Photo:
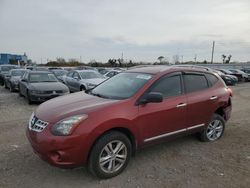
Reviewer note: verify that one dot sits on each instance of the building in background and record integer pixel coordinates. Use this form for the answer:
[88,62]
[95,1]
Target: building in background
[13,59]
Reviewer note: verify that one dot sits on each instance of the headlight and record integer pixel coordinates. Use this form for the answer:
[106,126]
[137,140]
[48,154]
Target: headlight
[66,91]
[66,126]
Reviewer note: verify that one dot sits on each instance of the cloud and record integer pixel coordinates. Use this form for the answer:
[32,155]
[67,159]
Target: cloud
[141,29]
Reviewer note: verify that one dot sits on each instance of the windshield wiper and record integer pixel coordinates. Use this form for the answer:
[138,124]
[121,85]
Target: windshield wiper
[48,81]
[98,95]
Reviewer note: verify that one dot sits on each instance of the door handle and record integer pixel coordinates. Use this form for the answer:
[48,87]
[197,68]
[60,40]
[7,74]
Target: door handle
[213,97]
[181,105]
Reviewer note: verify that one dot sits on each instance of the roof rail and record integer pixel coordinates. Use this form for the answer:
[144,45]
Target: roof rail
[140,66]
[194,67]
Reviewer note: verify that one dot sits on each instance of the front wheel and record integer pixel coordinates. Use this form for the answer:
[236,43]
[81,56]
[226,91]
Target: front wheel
[110,155]
[214,130]
[5,85]
[11,88]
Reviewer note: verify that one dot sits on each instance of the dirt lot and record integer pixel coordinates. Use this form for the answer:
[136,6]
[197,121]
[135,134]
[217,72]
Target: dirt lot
[184,162]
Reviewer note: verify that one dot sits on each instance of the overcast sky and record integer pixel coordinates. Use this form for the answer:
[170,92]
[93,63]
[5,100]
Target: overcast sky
[142,29]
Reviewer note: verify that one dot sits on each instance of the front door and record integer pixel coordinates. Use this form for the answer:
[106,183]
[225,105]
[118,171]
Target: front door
[157,121]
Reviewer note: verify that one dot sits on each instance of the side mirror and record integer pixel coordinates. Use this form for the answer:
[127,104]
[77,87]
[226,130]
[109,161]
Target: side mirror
[7,76]
[76,78]
[24,80]
[153,97]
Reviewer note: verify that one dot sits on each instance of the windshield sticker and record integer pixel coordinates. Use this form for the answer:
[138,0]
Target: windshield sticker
[143,76]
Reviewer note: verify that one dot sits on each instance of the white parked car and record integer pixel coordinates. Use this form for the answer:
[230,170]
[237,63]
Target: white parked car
[80,80]
[112,73]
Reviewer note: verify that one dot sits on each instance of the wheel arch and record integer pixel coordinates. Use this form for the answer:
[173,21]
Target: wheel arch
[123,130]
[221,110]
[82,85]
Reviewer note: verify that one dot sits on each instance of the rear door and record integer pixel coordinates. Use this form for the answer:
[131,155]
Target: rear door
[68,80]
[76,81]
[201,101]
[157,121]
[23,84]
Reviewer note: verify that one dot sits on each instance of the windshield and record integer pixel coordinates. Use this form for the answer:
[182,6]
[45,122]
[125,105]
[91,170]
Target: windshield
[17,72]
[60,72]
[90,75]
[227,71]
[7,68]
[122,86]
[42,77]
[239,71]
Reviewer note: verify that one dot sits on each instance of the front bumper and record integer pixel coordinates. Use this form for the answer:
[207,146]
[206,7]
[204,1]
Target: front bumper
[60,151]
[43,97]
[14,85]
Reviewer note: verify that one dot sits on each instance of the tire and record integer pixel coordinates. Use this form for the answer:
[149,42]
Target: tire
[214,130]
[82,88]
[110,145]
[11,88]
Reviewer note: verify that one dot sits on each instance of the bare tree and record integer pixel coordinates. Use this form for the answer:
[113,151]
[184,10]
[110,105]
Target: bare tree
[228,59]
[223,58]
[160,58]
[176,59]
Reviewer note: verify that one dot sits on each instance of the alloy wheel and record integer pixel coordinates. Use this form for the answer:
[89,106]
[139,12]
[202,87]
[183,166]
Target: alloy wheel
[214,130]
[113,156]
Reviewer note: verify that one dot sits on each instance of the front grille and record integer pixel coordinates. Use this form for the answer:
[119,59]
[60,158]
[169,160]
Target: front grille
[53,92]
[36,124]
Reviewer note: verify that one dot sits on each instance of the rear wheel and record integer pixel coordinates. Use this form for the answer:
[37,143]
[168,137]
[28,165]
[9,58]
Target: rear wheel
[214,130]
[82,88]
[110,155]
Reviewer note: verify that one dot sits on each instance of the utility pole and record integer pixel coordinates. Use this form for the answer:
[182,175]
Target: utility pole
[195,58]
[212,58]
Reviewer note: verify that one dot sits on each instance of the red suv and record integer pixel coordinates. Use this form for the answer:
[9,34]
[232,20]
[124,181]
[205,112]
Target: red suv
[104,127]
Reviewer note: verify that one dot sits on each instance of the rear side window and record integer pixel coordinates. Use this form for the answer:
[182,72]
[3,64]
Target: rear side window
[70,74]
[110,74]
[212,79]
[76,75]
[168,86]
[195,82]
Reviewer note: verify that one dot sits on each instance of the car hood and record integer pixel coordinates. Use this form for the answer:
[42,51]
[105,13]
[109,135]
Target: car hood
[73,104]
[94,81]
[231,76]
[48,86]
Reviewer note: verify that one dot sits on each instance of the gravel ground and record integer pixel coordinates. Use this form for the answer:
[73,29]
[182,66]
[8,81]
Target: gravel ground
[184,162]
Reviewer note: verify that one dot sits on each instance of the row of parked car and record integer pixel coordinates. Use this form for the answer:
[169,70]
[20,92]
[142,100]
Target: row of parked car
[39,85]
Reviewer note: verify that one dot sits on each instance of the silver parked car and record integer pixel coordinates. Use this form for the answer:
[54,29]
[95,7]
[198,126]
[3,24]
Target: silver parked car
[13,78]
[80,80]
[112,73]
[39,86]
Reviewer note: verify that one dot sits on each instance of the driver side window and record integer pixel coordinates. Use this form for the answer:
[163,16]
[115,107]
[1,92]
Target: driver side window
[76,75]
[168,86]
